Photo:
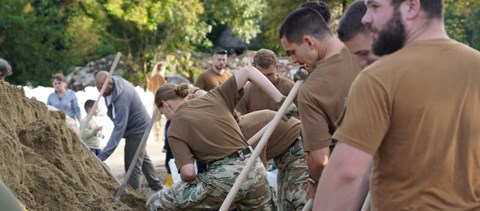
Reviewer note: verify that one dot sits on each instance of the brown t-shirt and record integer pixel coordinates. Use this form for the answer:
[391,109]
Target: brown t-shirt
[210,79]
[255,99]
[282,137]
[417,112]
[321,98]
[204,129]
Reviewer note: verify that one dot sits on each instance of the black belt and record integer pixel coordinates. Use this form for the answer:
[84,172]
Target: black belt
[245,151]
[241,152]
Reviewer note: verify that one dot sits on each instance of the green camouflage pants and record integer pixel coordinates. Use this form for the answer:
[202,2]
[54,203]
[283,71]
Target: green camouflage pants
[209,189]
[7,199]
[292,178]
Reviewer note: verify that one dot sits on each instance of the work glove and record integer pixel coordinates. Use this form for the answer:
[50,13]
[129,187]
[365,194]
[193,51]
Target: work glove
[291,110]
[301,74]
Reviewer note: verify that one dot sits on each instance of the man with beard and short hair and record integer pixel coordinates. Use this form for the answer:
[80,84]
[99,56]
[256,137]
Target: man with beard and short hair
[332,68]
[355,35]
[216,74]
[413,114]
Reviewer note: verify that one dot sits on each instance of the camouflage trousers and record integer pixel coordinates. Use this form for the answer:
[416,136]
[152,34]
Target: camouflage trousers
[209,189]
[292,178]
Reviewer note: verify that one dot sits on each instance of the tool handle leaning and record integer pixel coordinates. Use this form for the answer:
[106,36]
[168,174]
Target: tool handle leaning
[263,141]
[366,203]
[140,149]
[308,206]
[104,166]
[104,87]
[89,115]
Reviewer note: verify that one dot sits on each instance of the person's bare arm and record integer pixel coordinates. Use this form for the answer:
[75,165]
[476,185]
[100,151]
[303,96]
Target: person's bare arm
[250,73]
[341,178]
[362,192]
[187,172]
[316,161]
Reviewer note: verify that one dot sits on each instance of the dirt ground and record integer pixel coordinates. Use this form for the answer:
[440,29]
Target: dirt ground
[47,168]
[154,151]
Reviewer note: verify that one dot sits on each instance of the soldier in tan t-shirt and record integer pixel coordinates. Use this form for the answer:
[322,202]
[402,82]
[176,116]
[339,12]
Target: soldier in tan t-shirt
[205,129]
[355,35]
[321,98]
[413,114]
[254,99]
[216,74]
[285,147]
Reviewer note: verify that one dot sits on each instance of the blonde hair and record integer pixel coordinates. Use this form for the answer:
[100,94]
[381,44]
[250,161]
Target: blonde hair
[170,91]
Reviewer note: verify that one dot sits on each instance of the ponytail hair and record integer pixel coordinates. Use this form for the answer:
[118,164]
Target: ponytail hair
[170,91]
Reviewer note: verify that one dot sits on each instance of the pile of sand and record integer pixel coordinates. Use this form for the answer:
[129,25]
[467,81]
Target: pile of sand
[46,166]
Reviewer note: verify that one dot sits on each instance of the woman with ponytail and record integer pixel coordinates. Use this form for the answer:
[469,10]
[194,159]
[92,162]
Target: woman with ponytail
[204,129]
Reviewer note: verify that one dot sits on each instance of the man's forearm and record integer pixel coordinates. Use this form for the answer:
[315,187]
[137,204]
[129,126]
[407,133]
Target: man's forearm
[341,178]
[317,160]
[250,73]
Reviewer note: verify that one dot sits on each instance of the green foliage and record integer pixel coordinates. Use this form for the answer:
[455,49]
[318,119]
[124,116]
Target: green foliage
[242,16]
[32,39]
[461,21]
[146,29]
[278,10]
[185,64]
[42,37]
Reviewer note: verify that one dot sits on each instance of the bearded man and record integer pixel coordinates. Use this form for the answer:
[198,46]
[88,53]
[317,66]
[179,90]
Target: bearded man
[413,114]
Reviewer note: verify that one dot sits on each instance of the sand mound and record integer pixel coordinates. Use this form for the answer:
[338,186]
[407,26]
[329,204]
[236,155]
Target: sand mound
[44,163]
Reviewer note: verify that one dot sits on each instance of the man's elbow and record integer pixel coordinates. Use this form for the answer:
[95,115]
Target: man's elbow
[187,176]
[347,174]
[187,172]
[318,158]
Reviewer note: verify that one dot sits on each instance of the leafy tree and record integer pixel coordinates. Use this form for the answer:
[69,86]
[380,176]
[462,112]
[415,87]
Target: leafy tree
[144,30]
[461,21]
[241,15]
[33,40]
[41,37]
[278,10]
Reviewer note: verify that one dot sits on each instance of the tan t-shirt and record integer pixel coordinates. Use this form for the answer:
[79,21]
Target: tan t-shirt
[155,82]
[255,99]
[210,79]
[204,129]
[321,98]
[417,112]
[282,137]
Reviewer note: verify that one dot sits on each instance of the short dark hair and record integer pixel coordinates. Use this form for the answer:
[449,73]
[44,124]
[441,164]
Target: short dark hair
[88,104]
[303,21]
[321,7]
[351,22]
[220,51]
[434,8]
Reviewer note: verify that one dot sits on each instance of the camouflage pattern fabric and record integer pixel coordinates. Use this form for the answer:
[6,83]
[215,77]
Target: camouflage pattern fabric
[292,178]
[209,189]
[8,200]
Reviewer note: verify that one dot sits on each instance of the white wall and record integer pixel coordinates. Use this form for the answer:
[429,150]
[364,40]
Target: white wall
[41,94]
